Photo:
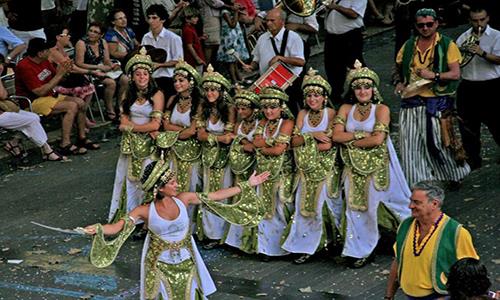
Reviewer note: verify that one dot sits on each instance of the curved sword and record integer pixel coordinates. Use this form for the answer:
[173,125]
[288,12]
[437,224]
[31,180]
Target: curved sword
[76,231]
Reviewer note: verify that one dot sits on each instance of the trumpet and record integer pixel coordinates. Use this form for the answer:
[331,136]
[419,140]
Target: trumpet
[465,47]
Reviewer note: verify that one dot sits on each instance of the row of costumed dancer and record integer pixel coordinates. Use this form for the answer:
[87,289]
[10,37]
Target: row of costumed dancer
[327,174]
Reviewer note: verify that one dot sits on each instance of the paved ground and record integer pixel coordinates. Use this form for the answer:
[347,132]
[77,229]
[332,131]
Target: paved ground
[55,266]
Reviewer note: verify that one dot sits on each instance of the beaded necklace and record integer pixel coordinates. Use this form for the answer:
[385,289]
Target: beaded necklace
[184,104]
[364,109]
[271,126]
[315,117]
[417,252]
[248,124]
[428,51]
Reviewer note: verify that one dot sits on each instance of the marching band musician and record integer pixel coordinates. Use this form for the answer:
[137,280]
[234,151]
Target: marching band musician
[480,77]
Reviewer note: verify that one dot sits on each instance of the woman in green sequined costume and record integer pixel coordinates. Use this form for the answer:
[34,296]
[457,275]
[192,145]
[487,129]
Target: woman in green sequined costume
[171,266]
[272,140]
[242,160]
[179,141]
[317,197]
[140,120]
[215,126]
[374,185]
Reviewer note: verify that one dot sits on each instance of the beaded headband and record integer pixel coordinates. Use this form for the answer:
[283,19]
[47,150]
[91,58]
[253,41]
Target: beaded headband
[313,82]
[212,79]
[160,173]
[363,73]
[140,60]
[184,69]
[272,93]
[246,98]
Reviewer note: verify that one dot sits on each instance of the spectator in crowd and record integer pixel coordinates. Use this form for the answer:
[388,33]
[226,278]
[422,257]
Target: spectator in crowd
[121,39]
[10,45]
[25,19]
[424,156]
[193,50]
[287,48]
[343,42]
[51,12]
[468,280]
[92,53]
[480,78]
[36,79]
[427,245]
[232,39]
[160,37]
[14,118]
[211,16]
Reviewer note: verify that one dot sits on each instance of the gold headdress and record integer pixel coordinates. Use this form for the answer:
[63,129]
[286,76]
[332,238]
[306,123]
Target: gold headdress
[212,79]
[246,98]
[272,96]
[186,70]
[314,82]
[160,174]
[140,60]
[363,73]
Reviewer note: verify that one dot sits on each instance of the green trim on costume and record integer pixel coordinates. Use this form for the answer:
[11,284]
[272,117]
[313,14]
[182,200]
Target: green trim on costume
[139,146]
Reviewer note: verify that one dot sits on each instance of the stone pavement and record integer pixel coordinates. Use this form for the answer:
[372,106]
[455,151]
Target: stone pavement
[55,266]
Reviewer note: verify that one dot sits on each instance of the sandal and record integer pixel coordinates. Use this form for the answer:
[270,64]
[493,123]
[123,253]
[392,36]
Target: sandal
[72,150]
[302,259]
[210,245]
[15,149]
[88,144]
[58,157]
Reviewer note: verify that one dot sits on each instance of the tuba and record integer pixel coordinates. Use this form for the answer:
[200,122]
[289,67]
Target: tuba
[472,40]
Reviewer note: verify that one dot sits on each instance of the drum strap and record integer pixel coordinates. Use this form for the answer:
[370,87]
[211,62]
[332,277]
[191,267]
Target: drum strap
[283,44]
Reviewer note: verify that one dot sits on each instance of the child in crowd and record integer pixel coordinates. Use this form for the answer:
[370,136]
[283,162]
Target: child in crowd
[193,51]
[232,38]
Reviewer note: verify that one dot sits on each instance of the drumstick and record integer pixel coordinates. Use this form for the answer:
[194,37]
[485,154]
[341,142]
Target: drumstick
[233,53]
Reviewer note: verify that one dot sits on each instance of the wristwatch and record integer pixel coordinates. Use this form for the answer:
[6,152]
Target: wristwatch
[437,75]
[483,55]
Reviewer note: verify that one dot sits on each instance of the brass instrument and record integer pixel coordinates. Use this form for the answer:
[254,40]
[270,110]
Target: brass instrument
[472,40]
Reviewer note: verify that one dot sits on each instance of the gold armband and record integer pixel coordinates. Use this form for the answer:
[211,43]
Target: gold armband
[166,115]
[283,139]
[270,142]
[379,126]
[201,124]
[229,127]
[358,135]
[329,132]
[156,114]
[259,130]
[339,120]
[212,139]
[296,130]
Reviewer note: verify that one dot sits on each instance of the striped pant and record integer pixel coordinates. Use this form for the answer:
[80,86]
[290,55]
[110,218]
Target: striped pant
[417,163]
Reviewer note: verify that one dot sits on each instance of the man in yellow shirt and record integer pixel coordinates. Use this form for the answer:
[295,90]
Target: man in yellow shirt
[429,70]
[427,245]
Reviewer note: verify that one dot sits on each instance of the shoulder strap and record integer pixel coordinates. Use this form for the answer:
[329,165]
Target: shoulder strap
[283,44]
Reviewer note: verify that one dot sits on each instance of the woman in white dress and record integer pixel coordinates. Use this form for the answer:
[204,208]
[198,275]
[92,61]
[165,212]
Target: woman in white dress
[140,120]
[317,198]
[242,160]
[374,185]
[272,140]
[216,119]
[171,266]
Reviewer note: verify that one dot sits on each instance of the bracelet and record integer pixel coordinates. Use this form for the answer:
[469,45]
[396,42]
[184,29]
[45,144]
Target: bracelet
[358,135]
[437,76]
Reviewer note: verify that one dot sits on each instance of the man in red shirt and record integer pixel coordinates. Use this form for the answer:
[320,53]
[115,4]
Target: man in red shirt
[36,79]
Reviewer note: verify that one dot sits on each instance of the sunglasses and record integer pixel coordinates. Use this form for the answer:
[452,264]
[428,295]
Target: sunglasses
[422,25]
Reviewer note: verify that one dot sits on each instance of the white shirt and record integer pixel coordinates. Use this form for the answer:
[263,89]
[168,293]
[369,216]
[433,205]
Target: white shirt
[479,69]
[337,23]
[264,52]
[171,43]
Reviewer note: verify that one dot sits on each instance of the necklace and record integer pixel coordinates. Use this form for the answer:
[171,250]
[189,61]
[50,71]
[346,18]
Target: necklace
[421,246]
[429,51]
[364,109]
[315,117]
[184,104]
[271,126]
[248,125]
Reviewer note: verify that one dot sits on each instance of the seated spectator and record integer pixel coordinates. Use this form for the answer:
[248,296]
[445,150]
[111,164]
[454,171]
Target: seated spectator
[91,52]
[10,45]
[468,279]
[121,39]
[13,118]
[36,79]
[191,42]
[76,83]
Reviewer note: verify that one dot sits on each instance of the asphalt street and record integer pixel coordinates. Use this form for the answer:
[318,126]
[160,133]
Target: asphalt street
[40,264]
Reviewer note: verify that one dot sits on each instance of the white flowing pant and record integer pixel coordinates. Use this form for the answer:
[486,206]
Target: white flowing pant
[26,122]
